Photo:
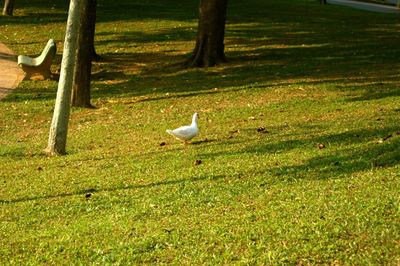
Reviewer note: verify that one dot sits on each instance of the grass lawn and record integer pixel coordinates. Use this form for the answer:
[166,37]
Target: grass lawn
[299,144]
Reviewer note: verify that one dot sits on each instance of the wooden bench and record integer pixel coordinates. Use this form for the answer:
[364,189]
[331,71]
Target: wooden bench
[41,64]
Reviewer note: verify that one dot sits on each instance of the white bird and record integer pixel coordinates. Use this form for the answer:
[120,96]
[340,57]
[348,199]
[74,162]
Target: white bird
[186,133]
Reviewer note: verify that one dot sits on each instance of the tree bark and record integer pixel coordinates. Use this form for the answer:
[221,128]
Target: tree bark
[95,56]
[209,49]
[93,9]
[8,7]
[59,124]
[84,55]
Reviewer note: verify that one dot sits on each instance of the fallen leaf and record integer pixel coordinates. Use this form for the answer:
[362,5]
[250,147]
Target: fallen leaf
[262,130]
[387,137]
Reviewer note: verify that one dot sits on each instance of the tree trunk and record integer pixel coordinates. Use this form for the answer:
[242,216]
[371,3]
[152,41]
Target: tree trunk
[8,7]
[95,56]
[59,124]
[83,66]
[209,49]
[93,9]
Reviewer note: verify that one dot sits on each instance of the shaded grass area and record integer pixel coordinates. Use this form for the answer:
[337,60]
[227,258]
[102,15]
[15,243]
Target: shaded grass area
[299,143]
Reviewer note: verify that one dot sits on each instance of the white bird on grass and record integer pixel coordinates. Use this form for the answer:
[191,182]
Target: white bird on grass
[186,133]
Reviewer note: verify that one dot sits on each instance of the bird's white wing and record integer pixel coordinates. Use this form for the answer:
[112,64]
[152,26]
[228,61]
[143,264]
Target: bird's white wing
[184,133]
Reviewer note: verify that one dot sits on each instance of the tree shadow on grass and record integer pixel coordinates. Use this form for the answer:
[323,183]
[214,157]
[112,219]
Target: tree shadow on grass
[36,18]
[269,48]
[269,66]
[44,12]
[343,153]
[344,162]
[88,192]
[132,38]
[372,89]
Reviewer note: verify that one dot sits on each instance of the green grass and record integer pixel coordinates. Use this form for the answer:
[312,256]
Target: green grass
[309,74]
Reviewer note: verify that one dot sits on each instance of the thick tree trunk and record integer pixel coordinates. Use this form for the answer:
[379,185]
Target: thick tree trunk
[59,124]
[93,10]
[95,56]
[209,49]
[83,65]
[8,7]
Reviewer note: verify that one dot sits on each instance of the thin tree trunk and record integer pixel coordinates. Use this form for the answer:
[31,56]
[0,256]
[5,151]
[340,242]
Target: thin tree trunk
[59,125]
[209,49]
[83,66]
[8,7]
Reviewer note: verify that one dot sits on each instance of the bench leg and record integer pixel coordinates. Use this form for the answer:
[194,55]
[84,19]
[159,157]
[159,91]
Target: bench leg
[47,74]
[36,71]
